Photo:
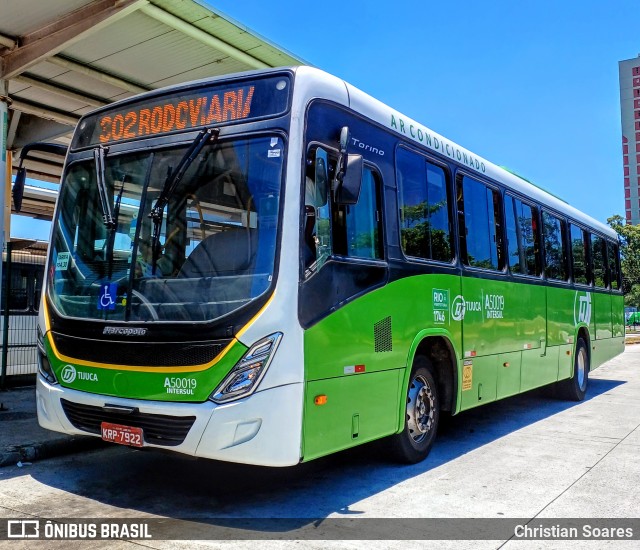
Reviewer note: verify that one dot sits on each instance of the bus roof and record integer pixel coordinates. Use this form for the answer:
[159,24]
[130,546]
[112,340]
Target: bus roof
[421,135]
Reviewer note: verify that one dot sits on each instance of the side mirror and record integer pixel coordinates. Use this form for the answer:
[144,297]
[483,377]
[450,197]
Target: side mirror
[18,188]
[341,168]
[348,172]
[348,191]
[21,175]
[321,178]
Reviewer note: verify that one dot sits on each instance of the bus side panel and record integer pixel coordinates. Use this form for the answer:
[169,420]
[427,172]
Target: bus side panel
[501,319]
[357,357]
[602,311]
[502,316]
[358,409]
[617,315]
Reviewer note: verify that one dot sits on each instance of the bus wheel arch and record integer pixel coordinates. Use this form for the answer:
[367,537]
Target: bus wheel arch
[583,333]
[439,351]
[429,389]
[575,388]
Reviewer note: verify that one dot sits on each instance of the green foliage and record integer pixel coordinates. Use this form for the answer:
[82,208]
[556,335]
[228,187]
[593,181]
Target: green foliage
[630,253]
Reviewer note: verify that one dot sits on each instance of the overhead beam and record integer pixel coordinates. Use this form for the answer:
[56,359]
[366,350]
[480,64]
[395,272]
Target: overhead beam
[61,91]
[118,82]
[43,112]
[7,41]
[194,32]
[69,29]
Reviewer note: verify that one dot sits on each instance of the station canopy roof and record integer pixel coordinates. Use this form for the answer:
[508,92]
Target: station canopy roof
[65,58]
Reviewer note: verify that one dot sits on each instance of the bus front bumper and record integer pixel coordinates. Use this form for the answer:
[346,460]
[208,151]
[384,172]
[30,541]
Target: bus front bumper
[263,429]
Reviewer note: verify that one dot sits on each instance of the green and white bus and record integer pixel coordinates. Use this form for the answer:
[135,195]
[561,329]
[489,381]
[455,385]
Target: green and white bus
[273,266]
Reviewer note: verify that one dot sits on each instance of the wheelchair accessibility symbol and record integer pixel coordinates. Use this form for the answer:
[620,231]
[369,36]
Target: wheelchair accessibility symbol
[107,298]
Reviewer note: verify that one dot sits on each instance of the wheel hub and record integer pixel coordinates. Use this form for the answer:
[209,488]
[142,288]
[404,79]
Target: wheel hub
[420,408]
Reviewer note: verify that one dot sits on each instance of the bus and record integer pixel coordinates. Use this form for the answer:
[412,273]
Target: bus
[273,266]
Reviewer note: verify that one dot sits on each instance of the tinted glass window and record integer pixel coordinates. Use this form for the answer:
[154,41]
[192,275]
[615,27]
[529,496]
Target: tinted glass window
[554,253]
[579,255]
[614,269]
[330,228]
[599,253]
[362,221]
[522,237]
[480,224]
[424,211]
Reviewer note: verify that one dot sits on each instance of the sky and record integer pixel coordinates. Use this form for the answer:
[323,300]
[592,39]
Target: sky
[528,84]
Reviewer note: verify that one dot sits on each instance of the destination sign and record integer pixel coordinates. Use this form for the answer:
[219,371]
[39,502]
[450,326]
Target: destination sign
[185,110]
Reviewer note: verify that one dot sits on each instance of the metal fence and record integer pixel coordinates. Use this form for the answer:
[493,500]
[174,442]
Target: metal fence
[22,274]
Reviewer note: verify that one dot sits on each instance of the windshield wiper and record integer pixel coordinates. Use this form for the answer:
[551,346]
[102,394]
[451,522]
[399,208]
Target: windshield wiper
[99,154]
[171,184]
[114,229]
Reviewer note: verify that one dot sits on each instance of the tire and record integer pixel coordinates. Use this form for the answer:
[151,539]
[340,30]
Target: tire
[422,415]
[575,388]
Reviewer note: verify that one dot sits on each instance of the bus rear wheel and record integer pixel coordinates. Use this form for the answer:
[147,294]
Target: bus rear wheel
[422,414]
[575,388]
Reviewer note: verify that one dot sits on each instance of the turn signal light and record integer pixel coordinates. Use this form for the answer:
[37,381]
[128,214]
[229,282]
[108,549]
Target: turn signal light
[320,399]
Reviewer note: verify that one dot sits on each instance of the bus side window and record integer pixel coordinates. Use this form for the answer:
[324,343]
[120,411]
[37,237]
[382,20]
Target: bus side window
[479,215]
[553,229]
[353,231]
[599,254]
[614,267]
[357,229]
[578,255]
[425,227]
[523,247]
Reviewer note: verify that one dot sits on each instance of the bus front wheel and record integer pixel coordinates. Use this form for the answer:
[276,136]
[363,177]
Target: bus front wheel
[575,388]
[422,414]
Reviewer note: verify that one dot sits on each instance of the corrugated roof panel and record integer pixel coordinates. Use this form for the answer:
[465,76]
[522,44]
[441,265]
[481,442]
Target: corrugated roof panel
[16,87]
[88,85]
[45,70]
[223,27]
[22,17]
[160,58]
[207,71]
[135,47]
[44,97]
[134,29]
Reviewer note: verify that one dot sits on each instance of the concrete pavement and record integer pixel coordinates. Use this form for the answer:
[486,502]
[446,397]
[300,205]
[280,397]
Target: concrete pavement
[22,439]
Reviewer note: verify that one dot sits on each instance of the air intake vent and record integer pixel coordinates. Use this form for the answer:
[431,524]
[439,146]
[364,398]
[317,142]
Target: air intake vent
[145,354]
[382,335]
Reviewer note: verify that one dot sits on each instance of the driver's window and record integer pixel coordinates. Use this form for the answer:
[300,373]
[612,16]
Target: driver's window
[353,231]
[317,225]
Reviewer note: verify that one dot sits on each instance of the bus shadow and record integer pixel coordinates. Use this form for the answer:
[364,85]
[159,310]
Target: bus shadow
[216,495]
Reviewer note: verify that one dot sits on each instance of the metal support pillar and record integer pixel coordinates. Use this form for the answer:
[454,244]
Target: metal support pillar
[4,127]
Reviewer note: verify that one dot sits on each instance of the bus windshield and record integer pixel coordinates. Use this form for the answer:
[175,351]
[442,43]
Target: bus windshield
[210,252]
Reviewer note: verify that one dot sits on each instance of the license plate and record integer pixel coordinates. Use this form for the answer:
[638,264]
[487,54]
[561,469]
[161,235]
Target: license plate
[123,435]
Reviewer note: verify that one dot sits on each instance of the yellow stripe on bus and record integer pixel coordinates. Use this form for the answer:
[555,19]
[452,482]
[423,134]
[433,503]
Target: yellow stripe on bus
[137,368]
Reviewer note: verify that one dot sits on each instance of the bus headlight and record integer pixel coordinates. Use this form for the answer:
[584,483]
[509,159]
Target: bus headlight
[245,376]
[44,367]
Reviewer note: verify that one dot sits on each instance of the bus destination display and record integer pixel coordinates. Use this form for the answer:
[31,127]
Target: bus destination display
[210,106]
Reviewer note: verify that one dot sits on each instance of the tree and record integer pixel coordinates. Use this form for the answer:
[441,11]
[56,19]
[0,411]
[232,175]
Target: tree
[630,254]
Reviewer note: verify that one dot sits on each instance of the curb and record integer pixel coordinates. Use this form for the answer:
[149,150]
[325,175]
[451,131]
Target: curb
[32,452]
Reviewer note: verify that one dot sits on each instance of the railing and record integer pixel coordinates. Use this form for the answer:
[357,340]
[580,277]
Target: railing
[22,275]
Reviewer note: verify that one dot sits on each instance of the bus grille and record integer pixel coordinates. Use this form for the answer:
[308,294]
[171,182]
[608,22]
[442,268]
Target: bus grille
[158,429]
[142,354]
